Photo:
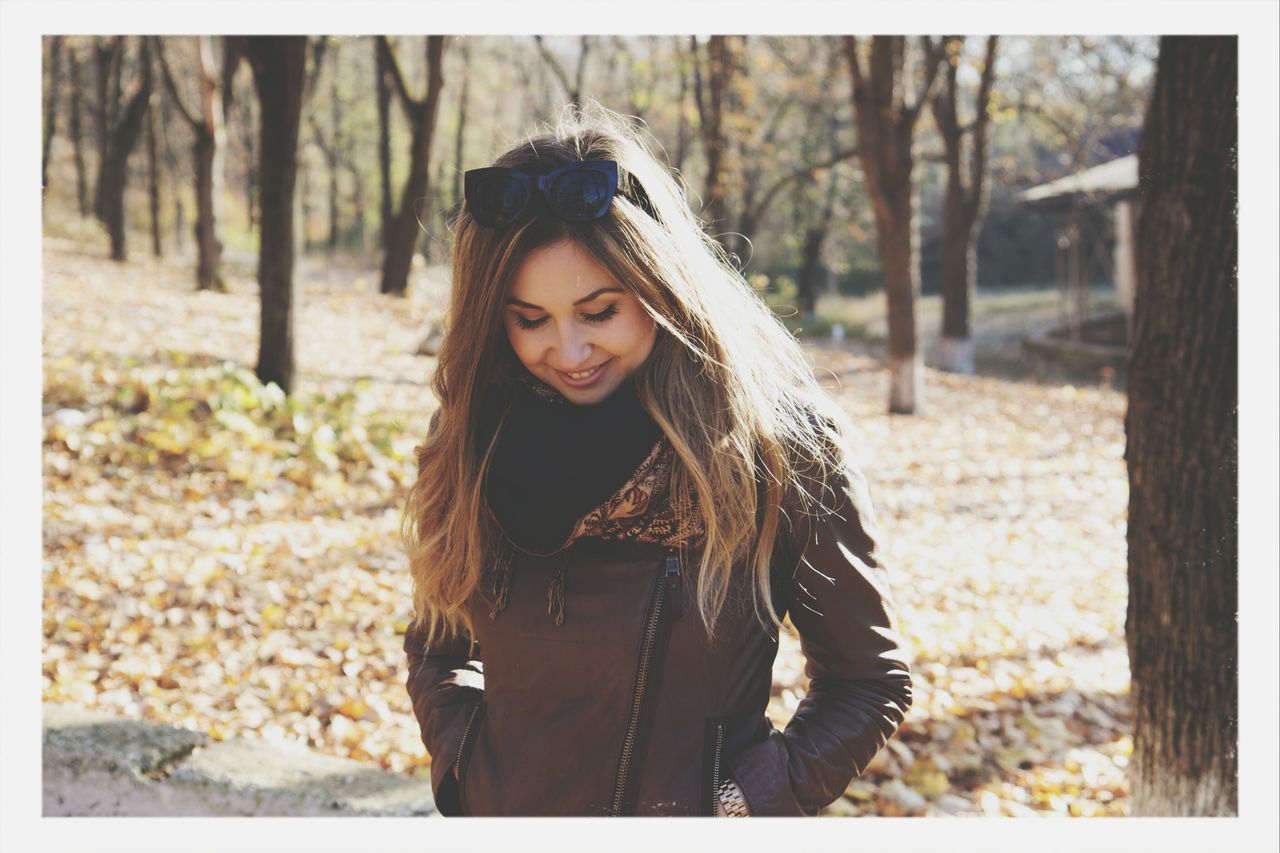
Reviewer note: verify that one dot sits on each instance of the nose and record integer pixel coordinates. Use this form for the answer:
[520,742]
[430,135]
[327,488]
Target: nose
[573,349]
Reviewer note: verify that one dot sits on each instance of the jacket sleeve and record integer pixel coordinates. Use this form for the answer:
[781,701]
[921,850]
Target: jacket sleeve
[445,683]
[856,662]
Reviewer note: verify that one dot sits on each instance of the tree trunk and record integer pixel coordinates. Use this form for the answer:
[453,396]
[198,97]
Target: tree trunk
[153,183]
[208,162]
[208,157]
[959,262]
[1182,440]
[304,204]
[711,114]
[77,135]
[358,226]
[179,225]
[279,73]
[51,105]
[107,55]
[115,167]
[964,206]
[885,124]
[252,162]
[171,166]
[811,254]
[335,141]
[211,173]
[682,123]
[405,230]
[384,140]
[806,279]
[897,238]
[233,53]
[955,352]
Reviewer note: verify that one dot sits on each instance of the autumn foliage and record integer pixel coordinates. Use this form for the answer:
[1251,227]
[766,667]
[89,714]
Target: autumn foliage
[224,558]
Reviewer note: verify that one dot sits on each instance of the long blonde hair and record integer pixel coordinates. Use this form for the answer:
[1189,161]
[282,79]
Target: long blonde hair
[729,386]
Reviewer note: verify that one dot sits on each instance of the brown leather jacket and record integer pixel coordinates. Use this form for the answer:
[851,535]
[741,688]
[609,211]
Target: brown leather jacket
[627,709]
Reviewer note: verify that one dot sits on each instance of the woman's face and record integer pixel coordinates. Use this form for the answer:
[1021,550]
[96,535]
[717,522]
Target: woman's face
[567,316]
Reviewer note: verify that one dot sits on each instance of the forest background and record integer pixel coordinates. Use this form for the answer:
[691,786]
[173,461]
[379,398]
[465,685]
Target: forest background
[1042,742]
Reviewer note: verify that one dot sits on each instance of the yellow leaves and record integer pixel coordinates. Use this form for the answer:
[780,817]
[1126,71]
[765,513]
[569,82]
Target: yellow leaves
[171,438]
[220,418]
[298,697]
[1002,511]
[328,483]
[105,426]
[925,777]
[239,472]
[842,808]
[205,569]
[353,709]
[860,791]
[238,423]
[272,616]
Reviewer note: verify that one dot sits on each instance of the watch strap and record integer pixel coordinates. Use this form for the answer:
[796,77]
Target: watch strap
[735,804]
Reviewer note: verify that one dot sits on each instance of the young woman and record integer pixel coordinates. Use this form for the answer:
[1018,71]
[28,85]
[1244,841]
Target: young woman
[632,476]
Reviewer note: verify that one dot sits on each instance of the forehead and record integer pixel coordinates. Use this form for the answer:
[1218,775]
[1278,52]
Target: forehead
[559,273]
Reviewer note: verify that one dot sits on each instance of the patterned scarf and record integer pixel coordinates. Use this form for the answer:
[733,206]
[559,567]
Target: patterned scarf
[561,472]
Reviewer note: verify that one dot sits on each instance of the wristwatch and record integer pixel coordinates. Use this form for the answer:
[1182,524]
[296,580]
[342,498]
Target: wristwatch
[735,805]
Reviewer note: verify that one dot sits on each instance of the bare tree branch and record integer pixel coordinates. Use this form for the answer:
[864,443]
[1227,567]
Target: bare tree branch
[172,86]
[318,47]
[407,101]
[582,69]
[933,52]
[978,165]
[855,69]
[558,70]
[803,172]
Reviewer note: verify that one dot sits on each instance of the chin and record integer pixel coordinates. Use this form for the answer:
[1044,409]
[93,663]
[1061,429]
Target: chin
[593,394]
[587,395]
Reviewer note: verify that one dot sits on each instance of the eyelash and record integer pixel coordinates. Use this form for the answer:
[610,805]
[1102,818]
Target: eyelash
[606,314]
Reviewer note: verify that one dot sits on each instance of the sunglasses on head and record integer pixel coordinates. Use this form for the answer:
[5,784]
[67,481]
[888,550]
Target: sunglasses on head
[576,192]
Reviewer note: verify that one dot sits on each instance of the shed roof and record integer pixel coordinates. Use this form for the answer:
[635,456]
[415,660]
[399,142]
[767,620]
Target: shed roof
[1115,177]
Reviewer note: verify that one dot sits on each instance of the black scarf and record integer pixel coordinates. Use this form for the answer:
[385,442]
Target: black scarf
[555,461]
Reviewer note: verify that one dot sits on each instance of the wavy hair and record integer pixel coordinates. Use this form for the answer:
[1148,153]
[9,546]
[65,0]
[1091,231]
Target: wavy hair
[730,387]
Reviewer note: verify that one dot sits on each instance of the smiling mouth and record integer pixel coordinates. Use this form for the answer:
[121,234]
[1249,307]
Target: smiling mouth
[584,374]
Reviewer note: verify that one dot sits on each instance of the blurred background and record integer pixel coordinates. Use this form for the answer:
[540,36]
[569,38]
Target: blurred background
[245,269]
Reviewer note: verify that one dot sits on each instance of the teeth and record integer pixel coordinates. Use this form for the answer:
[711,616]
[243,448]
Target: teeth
[584,374]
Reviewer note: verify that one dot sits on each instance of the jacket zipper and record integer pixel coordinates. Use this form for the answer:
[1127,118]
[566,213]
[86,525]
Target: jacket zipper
[715,769]
[462,745]
[670,574]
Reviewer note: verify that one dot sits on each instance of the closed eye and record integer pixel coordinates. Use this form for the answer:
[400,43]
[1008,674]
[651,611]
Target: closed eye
[605,315]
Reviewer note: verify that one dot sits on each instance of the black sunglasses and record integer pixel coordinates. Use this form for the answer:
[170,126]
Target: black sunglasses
[576,192]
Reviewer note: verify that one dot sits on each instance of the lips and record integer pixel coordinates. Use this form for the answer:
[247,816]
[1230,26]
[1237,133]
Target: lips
[583,377]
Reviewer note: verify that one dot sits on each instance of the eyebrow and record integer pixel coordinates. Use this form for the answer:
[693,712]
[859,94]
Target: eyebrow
[522,304]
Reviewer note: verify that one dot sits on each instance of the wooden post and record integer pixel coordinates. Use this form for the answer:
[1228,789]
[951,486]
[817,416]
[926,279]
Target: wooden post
[1073,272]
[1125,266]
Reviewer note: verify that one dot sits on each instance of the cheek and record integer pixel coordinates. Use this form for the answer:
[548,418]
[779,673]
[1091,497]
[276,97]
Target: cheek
[643,333]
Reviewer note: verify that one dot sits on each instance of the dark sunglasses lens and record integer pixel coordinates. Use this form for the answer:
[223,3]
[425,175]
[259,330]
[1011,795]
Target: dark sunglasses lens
[580,195]
[497,200]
